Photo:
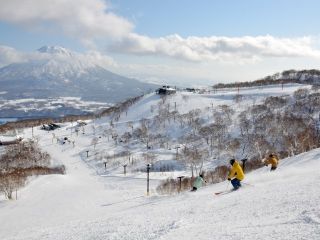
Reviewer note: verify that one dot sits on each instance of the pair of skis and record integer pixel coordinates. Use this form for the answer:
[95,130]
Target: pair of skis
[232,190]
[223,192]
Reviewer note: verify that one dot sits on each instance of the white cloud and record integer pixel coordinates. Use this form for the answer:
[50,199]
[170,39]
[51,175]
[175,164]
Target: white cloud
[10,55]
[180,73]
[217,48]
[99,59]
[92,20]
[84,19]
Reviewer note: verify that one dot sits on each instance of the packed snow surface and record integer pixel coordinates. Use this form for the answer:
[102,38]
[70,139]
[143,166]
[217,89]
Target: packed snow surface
[82,204]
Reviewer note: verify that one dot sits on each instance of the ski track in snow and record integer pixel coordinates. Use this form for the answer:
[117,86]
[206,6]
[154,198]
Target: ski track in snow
[82,205]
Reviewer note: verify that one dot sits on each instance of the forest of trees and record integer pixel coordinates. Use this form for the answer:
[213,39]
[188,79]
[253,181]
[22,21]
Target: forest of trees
[287,125]
[311,76]
[19,161]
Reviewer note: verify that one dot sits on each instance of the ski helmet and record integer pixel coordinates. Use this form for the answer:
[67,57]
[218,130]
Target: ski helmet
[232,161]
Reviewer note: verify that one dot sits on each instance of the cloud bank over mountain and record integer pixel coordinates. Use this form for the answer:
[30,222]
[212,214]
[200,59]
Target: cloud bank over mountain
[92,21]
[10,55]
[54,71]
[218,48]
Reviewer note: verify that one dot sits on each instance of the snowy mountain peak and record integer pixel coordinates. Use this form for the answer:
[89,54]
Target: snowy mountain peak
[58,72]
[55,50]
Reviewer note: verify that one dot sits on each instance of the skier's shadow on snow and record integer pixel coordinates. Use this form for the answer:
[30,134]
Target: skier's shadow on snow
[3,203]
[150,202]
[123,201]
[136,205]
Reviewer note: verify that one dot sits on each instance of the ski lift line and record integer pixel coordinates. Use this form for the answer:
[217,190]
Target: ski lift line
[275,85]
[96,170]
[87,163]
[135,120]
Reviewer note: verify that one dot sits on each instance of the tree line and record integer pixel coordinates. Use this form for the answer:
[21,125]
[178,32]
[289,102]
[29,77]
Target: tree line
[19,161]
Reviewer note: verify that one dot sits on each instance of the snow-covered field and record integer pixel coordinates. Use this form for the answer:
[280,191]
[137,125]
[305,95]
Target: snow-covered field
[85,205]
[31,107]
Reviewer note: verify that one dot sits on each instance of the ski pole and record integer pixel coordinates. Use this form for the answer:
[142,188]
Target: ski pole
[217,193]
[228,185]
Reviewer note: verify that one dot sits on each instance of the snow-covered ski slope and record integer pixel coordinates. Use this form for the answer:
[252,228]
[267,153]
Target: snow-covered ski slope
[186,101]
[85,205]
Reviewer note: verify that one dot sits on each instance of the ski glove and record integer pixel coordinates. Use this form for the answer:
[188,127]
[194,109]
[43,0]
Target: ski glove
[229,179]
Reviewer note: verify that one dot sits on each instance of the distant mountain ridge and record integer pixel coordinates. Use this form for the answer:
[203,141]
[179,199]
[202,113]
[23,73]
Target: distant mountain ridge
[303,76]
[59,72]
[311,76]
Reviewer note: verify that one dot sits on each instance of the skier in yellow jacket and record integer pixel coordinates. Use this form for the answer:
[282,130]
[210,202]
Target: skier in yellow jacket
[236,174]
[273,160]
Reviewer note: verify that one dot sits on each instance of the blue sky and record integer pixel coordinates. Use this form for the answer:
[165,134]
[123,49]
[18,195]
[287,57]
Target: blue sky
[227,17]
[191,42]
